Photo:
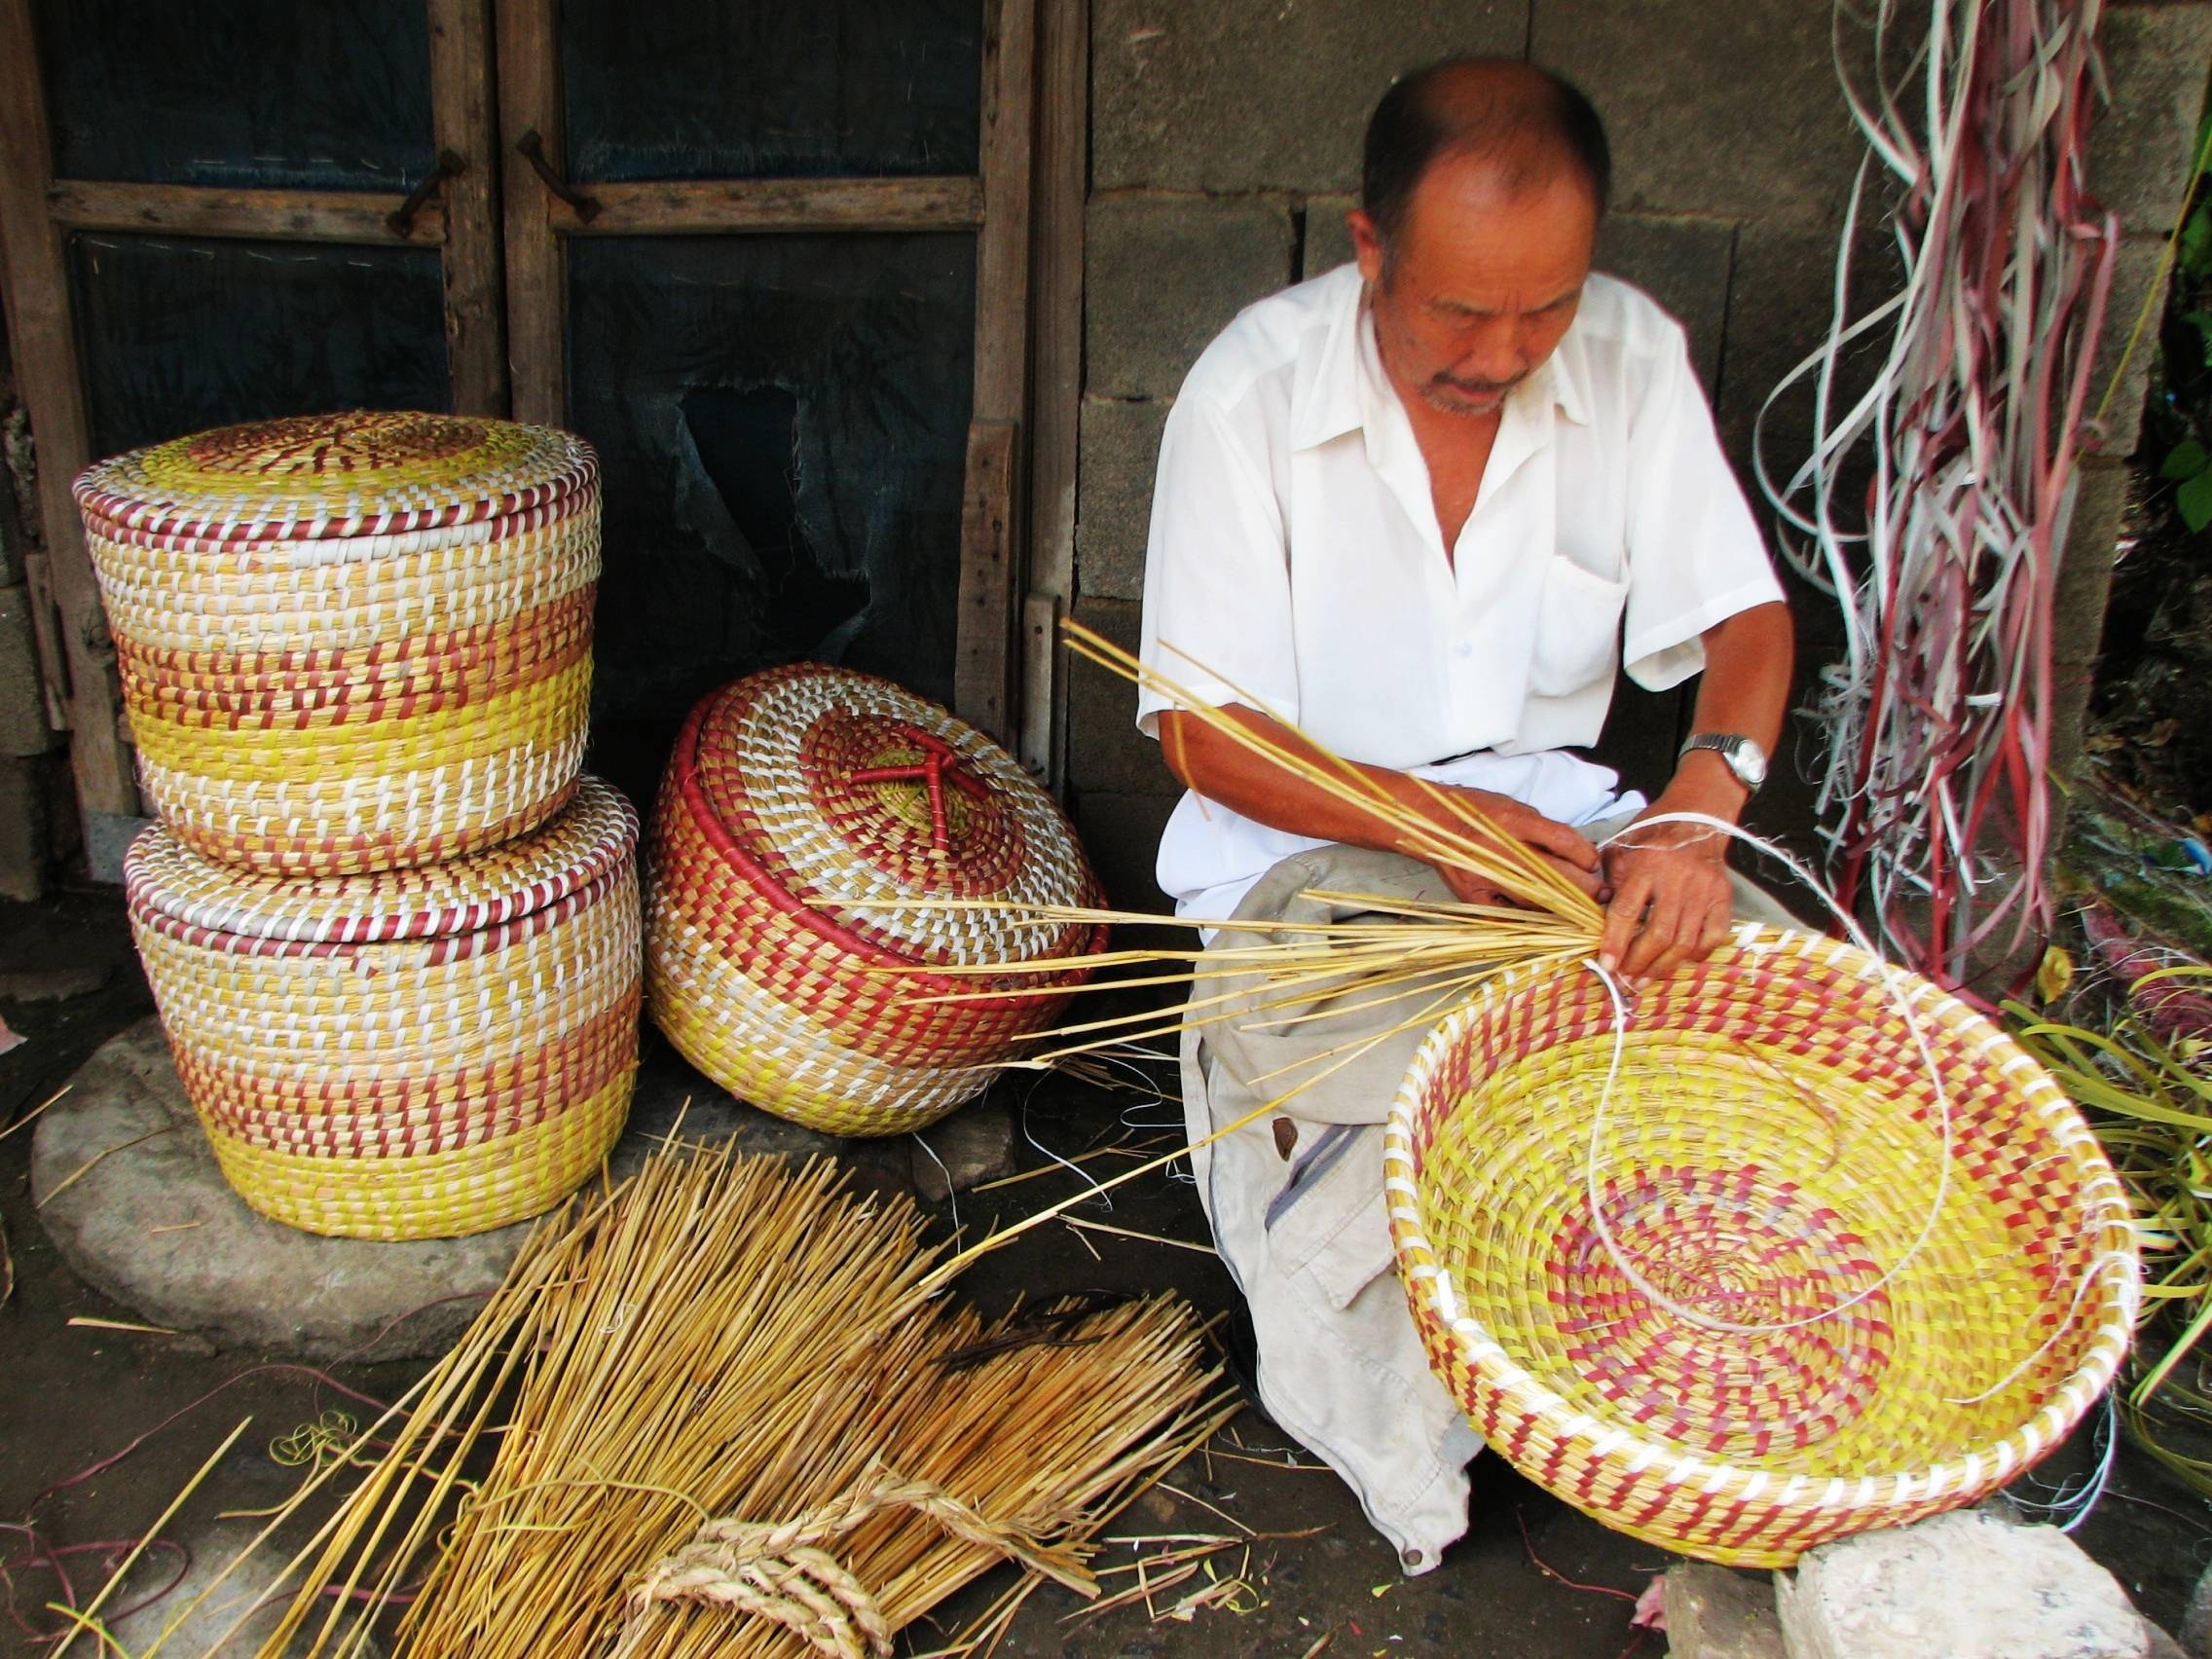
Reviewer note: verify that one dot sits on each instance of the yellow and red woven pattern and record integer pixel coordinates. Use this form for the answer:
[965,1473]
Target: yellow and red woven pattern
[820,834]
[1770,1157]
[413,1053]
[351,642]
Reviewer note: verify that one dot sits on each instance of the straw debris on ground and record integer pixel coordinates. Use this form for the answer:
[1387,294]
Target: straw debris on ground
[725,1409]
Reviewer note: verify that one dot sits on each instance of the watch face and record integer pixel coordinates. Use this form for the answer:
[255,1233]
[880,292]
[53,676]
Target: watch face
[1746,762]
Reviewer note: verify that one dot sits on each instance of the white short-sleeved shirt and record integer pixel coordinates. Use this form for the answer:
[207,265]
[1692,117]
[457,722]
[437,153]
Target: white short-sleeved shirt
[1296,564]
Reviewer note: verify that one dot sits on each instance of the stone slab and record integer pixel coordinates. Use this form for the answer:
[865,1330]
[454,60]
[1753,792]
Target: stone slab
[1715,1612]
[251,1598]
[1732,110]
[1162,275]
[1259,94]
[2139,149]
[973,1146]
[22,700]
[23,828]
[1119,448]
[2078,603]
[1965,1585]
[220,1272]
[2135,272]
[1111,754]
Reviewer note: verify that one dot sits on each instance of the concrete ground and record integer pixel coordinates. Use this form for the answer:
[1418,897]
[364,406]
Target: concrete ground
[1531,1578]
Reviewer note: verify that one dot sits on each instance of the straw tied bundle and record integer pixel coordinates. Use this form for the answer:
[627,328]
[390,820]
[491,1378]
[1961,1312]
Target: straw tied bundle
[721,1411]
[1788,1245]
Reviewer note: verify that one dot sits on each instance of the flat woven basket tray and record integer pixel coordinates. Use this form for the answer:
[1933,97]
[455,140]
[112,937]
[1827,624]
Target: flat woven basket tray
[1770,1156]
[351,642]
[822,839]
[413,1053]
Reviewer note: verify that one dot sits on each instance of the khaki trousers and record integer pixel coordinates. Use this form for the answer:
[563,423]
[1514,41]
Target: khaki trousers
[1295,1200]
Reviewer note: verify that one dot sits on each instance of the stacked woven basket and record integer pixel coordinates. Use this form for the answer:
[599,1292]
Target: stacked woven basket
[393,931]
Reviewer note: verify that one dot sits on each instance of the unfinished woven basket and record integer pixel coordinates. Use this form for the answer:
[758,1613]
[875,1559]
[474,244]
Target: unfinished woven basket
[798,802]
[410,1054]
[1771,1151]
[351,642]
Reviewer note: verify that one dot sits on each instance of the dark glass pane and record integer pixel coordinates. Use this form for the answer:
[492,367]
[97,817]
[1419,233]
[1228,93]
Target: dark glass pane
[181,333]
[320,93]
[766,89]
[782,421]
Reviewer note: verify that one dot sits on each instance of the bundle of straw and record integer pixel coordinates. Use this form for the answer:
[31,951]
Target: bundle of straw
[726,1416]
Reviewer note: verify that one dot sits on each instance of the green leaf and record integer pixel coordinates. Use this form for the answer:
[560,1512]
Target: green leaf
[2186,460]
[2196,238]
[2195,499]
[2201,321]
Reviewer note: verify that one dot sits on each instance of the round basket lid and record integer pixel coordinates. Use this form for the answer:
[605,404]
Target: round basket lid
[579,844]
[312,477]
[859,798]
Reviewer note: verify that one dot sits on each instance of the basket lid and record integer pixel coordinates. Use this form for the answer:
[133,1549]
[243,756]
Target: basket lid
[849,794]
[587,839]
[313,477]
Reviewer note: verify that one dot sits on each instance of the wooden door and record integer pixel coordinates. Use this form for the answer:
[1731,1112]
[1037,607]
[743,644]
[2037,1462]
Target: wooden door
[772,261]
[217,211]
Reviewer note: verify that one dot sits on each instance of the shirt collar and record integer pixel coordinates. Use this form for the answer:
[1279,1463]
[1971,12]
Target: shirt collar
[1333,398]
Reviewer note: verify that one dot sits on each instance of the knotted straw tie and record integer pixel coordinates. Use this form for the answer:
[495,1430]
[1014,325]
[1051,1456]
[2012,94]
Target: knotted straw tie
[770,1569]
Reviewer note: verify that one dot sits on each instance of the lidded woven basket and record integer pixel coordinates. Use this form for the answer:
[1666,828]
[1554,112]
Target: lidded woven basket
[1770,1157]
[351,642]
[822,839]
[410,1054]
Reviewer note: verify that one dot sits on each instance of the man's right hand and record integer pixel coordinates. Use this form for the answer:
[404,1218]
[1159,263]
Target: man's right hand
[1565,850]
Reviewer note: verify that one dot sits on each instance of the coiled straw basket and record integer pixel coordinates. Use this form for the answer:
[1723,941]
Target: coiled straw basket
[822,841]
[1770,1156]
[409,1055]
[351,642]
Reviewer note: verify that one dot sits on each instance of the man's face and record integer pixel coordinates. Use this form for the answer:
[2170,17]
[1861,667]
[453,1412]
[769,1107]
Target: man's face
[1483,286]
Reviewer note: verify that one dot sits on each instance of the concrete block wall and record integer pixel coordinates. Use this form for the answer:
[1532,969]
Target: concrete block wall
[1224,152]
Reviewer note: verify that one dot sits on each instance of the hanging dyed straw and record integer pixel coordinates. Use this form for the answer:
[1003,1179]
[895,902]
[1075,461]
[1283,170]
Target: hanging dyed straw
[1934,797]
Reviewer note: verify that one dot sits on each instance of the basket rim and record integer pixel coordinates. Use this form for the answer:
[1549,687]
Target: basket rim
[581,847]
[2115,1276]
[699,809]
[571,467]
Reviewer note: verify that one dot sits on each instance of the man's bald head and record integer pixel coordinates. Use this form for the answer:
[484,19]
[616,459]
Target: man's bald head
[1529,126]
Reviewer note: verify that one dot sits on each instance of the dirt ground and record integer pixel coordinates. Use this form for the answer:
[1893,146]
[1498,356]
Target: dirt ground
[1532,1577]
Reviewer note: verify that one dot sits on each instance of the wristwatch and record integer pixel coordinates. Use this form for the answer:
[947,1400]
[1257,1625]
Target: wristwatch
[1740,754]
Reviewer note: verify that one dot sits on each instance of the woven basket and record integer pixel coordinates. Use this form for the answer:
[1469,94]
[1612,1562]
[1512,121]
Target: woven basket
[411,1055]
[796,797]
[1772,1148]
[351,642]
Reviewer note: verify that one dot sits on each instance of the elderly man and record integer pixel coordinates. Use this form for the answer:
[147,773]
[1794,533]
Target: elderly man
[1419,507]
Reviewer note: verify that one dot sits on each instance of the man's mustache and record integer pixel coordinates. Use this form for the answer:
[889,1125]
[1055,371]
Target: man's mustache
[1478,387]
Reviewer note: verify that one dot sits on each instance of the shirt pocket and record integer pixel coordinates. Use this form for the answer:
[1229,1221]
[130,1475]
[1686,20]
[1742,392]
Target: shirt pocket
[1329,1221]
[1578,629]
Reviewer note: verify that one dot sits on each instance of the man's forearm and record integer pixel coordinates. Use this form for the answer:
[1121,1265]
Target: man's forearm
[1222,769]
[1745,692]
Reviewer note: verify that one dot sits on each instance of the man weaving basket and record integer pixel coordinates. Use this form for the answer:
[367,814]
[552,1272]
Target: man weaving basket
[1419,507]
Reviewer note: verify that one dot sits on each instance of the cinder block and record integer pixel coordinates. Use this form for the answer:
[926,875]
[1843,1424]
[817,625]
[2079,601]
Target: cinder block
[1261,95]
[1162,275]
[1683,262]
[2139,149]
[1714,1612]
[1731,110]
[1328,239]
[1105,750]
[1120,453]
[2135,268]
[22,700]
[23,850]
[1122,834]
[2083,586]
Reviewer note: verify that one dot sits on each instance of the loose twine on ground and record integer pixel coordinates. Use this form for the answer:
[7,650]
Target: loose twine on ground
[773,1569]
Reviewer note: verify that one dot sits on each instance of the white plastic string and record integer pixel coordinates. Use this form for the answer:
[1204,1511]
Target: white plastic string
[1890,979]
[948,1192]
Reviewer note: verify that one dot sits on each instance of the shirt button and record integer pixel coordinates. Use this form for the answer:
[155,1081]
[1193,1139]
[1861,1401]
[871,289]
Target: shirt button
[1463,650]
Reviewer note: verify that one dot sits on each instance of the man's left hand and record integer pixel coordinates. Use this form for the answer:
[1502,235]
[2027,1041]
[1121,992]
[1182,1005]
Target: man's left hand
[1670,897]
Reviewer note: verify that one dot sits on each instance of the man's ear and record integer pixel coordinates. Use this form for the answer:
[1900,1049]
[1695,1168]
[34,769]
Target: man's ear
[1367,245]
